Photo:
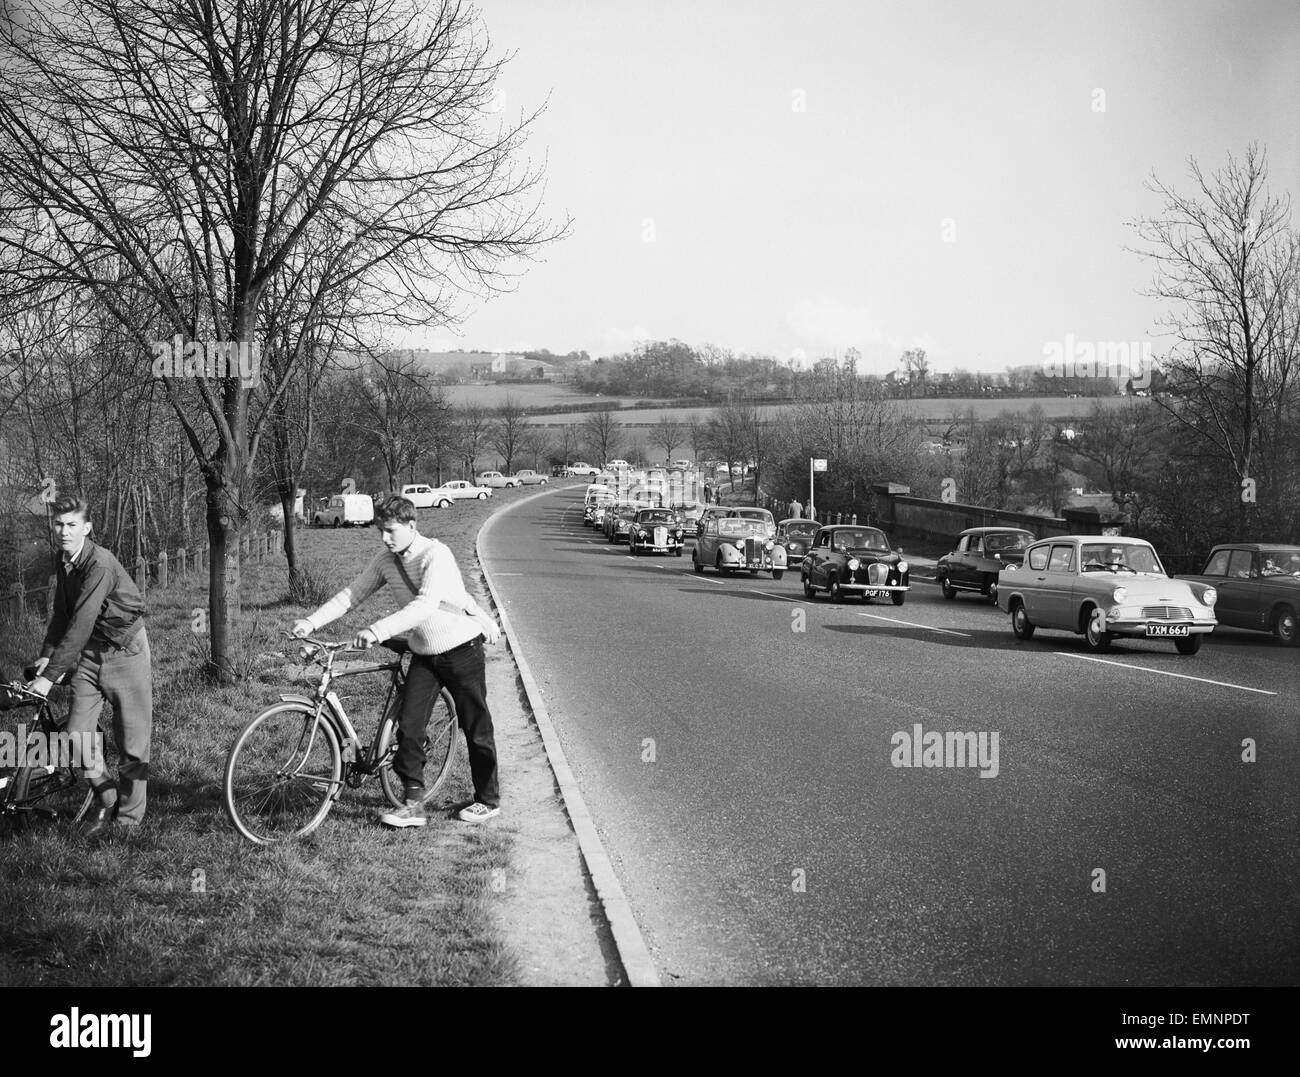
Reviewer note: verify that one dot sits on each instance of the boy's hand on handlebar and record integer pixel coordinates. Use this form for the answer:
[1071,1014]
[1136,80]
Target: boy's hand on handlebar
[38,667]
[300,629]
[365,640]
[41,686]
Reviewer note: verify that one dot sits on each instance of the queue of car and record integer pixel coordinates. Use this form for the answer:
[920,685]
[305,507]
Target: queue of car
[1100,587]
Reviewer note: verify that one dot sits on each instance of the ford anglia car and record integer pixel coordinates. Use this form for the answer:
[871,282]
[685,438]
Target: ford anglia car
[656,531]
[1102,587]
[1258,586]
[849,559]
[981,553]
[733,544]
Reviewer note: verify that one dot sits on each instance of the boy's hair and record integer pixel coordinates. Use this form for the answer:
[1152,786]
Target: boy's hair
[66,503]
[401,509]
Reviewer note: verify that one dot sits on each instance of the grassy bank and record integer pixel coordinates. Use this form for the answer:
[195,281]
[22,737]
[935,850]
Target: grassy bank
[186,900]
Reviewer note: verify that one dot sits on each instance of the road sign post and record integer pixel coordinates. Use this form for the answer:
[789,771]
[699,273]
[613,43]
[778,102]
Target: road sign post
[815,464]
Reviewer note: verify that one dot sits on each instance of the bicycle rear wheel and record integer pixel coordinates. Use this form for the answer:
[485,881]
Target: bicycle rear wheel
[283,774]
[439,750]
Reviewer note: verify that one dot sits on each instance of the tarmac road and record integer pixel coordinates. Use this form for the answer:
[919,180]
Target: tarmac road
[736,744]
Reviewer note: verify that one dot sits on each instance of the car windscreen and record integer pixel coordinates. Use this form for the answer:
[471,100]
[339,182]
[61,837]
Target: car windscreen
[1104,557]
[803,532]
[1003,542]
[659,517]
[739,526]
[861,540]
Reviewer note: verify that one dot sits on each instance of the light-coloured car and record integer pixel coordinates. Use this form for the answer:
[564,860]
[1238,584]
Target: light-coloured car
[344,510]
[458,490]
[529,477]
[1101,587]
[496,481]
[419,494]
[735,544]
[580,467]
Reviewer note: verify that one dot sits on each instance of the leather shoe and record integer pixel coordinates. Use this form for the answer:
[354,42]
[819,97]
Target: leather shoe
[101,818]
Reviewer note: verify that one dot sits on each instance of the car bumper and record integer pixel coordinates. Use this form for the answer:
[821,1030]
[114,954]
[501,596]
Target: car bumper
[875,589]
[1155,629]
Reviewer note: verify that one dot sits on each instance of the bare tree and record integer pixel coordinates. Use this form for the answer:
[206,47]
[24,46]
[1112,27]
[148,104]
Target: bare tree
[181,151]
[473,427]
[667,435]
[1227,262]
[507,428]
[601,434]
[535,442]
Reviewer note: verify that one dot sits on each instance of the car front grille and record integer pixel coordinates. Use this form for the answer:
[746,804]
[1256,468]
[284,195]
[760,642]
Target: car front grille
[877,574]
[661,536]
[1166,613]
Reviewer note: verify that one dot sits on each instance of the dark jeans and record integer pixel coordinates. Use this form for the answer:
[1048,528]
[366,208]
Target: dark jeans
[461,671]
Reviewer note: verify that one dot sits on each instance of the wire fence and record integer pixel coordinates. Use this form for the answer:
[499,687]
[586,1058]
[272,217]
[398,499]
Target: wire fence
[254,546]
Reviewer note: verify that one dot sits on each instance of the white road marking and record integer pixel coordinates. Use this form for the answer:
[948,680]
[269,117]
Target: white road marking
[913,624]
[700,576]
[1164,673]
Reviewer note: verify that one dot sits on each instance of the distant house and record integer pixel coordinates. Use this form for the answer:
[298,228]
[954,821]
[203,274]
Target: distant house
[481,366]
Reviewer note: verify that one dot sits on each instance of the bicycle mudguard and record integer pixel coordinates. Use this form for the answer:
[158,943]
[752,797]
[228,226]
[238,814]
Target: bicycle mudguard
[335,715]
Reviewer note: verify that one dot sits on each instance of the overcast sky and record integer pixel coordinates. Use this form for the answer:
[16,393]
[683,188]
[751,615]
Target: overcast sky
[804,177]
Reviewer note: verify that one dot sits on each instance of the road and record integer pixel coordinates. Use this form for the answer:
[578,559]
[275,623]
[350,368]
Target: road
[737,744]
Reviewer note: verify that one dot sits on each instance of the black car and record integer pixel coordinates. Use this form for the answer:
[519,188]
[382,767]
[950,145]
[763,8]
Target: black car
[981,553]
[849,559]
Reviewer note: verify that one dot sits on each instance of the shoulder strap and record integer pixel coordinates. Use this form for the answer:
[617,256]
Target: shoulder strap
[397,560]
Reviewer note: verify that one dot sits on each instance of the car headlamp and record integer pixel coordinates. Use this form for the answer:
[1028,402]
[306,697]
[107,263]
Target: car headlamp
[1209,596]
[768,544]
[1119,594]
[853,564]
[902,565]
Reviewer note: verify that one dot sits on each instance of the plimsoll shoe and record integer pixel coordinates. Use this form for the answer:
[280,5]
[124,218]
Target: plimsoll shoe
[100,819]
[411,813]
[477,813]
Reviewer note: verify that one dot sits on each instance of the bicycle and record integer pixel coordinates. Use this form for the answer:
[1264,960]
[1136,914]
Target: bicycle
[291,762]
[44,793]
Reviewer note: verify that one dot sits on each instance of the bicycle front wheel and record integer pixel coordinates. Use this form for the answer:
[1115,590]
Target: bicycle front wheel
[439,750]
[283,774]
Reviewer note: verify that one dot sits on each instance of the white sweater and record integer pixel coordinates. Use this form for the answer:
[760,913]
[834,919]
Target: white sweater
[442,616]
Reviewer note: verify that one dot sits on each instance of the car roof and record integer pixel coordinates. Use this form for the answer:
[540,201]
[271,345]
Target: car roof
[995,530]
[1109,540]
[1256,547]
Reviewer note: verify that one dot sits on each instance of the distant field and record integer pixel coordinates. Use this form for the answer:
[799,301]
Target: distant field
[543,395]
[1055,407]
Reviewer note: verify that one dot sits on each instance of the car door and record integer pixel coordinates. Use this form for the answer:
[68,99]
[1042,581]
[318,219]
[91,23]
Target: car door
[1239,590]
[1058,598]
[1032,581]
[819,553]
[963,561]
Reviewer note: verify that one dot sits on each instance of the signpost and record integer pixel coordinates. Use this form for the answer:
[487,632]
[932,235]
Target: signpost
[815,464]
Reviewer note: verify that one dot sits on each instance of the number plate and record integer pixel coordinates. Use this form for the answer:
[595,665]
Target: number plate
[876,594]
[1169,630]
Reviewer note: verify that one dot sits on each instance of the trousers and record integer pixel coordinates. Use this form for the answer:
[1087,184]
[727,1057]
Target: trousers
[124,678]
[462,672]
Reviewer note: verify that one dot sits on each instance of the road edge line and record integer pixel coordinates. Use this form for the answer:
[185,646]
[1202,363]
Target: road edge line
[633,954]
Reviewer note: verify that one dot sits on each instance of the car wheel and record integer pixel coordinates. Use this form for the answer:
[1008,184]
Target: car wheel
[679,551]
[899,597]
[444,504]
[993,592]
[543,482]
[809,591]
[336,522]
[1188,644]
[695,564]
[777,573]
[833,589]
[1284,626]
[1021,625]
[482,495]
[317,522]
[949,591]
[1094,637]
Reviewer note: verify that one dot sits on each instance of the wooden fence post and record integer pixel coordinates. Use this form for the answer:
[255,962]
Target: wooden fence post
[180,562]
[162,569]
[141,574]
[20,599]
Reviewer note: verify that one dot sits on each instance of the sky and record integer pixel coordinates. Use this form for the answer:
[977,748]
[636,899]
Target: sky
[801,178]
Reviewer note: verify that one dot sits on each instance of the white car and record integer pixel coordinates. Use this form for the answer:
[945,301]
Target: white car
[496,480]
[344,510]
[529,477]
[419,494]
[458,490]
[580,467]
[615,465]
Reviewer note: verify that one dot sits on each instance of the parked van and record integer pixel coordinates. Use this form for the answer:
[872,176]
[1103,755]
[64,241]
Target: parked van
[344,510]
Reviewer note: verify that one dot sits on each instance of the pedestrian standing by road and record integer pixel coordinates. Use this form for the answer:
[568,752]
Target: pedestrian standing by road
[97,636]
[446,631]
[796,509]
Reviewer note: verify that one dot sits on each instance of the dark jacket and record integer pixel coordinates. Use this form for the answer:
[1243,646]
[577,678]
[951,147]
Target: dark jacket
[96,603]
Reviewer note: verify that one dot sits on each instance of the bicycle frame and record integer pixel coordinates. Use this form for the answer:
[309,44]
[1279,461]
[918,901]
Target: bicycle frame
[357,757]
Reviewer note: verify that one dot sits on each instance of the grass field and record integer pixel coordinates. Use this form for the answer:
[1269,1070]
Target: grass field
[354,903]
